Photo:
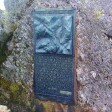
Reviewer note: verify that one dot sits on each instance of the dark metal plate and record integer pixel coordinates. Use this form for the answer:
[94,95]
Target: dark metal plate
[54,55]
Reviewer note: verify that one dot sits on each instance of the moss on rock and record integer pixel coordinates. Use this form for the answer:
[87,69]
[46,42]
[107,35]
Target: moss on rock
[17,93]
[6,37]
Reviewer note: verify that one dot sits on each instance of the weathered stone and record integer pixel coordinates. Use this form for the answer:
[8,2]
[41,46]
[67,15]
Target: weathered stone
[94,68]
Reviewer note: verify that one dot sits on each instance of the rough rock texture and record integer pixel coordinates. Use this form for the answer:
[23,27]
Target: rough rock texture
[94,70]
[15,8]
[94,62]
[1,27]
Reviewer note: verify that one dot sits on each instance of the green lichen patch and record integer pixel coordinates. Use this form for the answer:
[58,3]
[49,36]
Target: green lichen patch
[5,84]
[16,93]
[14,88]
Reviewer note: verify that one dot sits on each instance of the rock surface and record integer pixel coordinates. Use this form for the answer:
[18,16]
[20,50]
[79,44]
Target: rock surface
[94,66]
[1,25]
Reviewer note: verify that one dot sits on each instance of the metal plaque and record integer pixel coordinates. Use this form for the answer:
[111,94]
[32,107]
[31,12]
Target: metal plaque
[54,56]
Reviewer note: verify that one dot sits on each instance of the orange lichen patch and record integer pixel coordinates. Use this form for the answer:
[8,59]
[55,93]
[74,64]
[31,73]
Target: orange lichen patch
[48,106]
[84,108]
[59,108]
[53,107]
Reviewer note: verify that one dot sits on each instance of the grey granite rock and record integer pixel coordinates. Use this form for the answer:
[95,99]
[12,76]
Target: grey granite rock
[94,67]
